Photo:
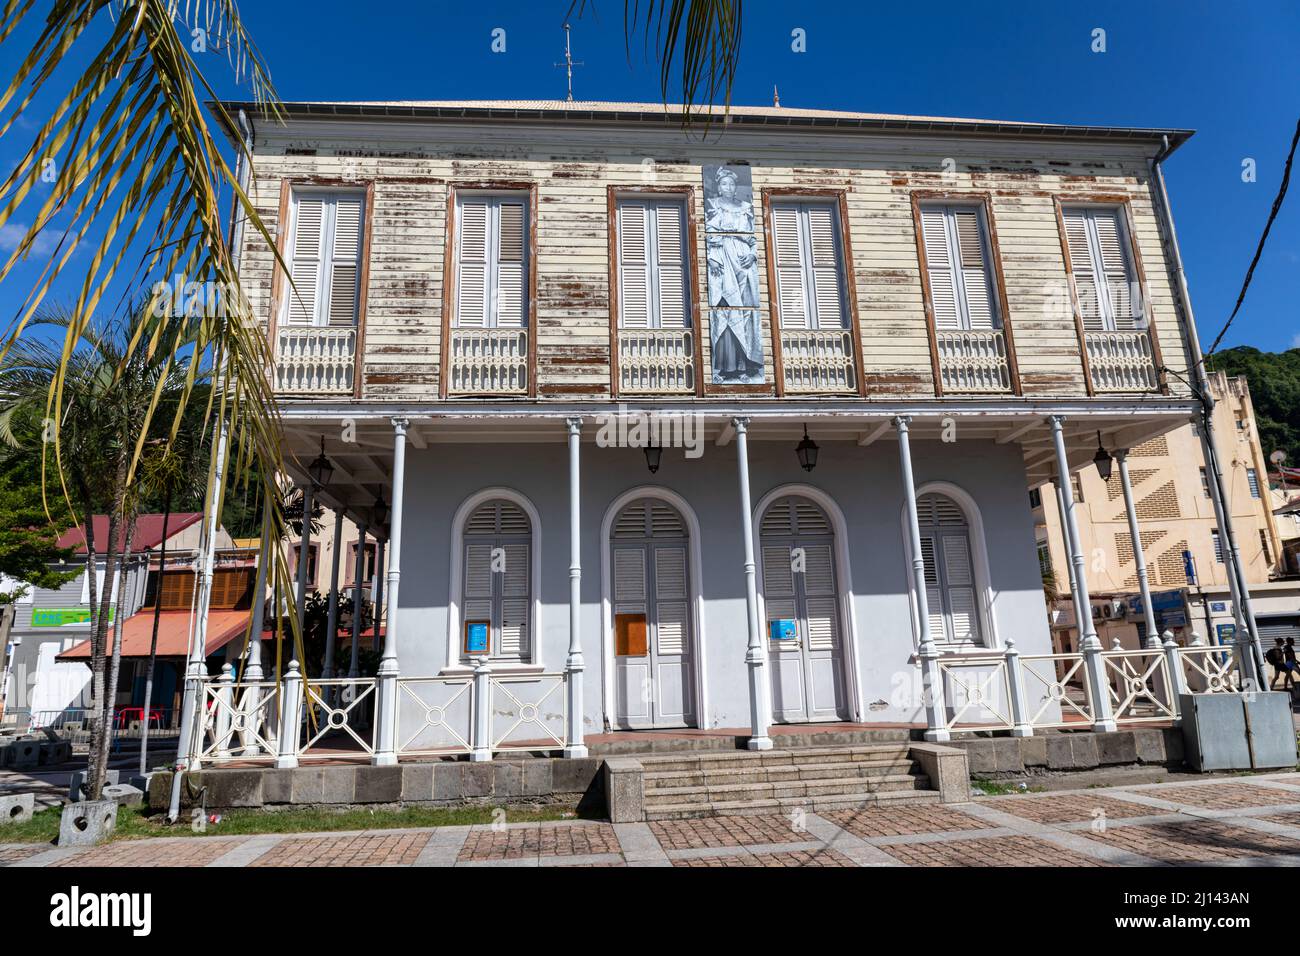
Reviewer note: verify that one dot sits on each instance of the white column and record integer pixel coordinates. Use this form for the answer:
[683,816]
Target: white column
[932,688]
[1069,542]
[386,686]
[760,701]
[332,621]
[574,665]
[1152,639]
[250,702]
[378,599]
[359,570]
[304,554]
[1089,644]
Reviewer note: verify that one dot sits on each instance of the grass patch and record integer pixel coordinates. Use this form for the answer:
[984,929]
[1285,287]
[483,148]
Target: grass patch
[1001,788]
[133,822]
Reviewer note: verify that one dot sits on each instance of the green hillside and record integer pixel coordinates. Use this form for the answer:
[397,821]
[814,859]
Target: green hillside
[1274,379]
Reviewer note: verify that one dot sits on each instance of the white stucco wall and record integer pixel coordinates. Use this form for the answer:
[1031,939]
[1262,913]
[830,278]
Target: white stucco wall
[863,482]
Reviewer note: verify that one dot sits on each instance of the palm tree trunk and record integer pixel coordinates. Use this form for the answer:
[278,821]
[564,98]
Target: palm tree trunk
[153,642]
[115,661]
[102,731]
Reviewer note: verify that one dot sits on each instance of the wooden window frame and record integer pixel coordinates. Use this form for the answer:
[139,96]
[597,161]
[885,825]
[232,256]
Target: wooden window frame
[840,198]
[1123,203]
[613,193]
[984,201]
[287,186]
[449,280]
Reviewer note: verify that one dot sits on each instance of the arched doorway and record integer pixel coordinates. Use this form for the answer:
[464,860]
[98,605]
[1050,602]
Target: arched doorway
[654,668]
[801,597]
[950,591]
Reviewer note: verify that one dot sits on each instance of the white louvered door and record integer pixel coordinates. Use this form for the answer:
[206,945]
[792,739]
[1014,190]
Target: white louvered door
[951,595]
[325,259]
[651,577]
[652,264]
[498,577]
[809,268]
[1099,263]
[799,584]
[491,262]
[957,267]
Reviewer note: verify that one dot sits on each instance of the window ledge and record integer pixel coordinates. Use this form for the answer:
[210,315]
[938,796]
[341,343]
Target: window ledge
[500,667]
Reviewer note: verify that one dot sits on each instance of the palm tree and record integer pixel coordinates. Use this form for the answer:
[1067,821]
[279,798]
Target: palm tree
[127,162]
[109,394]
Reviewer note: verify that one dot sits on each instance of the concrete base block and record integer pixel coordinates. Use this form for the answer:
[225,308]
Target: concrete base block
[23,754]
[17,807]
[77,785]
[124,795]
[947,769]
[625,790]
[88,823]
[55,752]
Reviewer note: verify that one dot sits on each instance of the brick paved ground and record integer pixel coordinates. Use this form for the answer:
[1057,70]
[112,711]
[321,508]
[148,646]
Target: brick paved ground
[387,849]
[1255,821]
[993,851]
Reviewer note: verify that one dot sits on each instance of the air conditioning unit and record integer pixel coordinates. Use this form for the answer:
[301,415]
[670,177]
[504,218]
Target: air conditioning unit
[1114,610]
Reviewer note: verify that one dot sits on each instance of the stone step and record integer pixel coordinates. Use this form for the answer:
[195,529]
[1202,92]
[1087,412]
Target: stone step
[789,790]
[654,780]
[770,758]
[687,811]
[645,743]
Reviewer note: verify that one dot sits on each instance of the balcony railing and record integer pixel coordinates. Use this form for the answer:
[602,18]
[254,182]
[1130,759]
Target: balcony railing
[488,362]
[973,360]
[656,361]
[1121,361]
[818,360]
[315,360]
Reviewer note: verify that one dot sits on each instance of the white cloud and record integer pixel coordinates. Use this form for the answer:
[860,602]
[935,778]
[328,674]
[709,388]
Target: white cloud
[11,237]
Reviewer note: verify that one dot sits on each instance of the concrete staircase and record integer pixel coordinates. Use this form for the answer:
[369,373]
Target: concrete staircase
[721,783]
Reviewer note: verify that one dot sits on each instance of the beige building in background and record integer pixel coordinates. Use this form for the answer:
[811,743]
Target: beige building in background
[1176,518]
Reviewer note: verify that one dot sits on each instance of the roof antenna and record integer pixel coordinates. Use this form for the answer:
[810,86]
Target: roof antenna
[569,63]
[776,97]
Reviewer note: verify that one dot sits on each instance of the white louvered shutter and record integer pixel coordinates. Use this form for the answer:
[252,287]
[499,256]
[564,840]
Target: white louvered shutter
[824,261]
[634,266]
[819,596]
[514,601]
[790,280]
[1100,263]
[960,586]
[472,267]
[670,263]
[478,584]
[778,583]
[345,260]
[940,268]
[308,240]
[958,269]
[933,593]
[1114,266]
[629,581]
[670,600]
[512,246]
[977,284]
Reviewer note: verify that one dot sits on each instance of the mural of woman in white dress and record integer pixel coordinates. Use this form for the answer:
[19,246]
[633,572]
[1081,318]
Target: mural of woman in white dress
[732,254]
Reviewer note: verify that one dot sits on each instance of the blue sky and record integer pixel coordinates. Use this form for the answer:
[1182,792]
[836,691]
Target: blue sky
[1231,73]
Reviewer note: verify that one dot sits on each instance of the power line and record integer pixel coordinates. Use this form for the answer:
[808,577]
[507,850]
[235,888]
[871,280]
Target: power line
[1277,205]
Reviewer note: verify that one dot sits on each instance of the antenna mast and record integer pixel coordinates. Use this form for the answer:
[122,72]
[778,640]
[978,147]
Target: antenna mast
[569,63]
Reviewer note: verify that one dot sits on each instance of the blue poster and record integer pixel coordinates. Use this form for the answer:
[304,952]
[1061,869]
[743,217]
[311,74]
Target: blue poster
[783,630]
[476,637]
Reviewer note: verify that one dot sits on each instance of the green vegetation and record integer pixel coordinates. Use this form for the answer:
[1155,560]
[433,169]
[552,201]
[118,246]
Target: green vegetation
[1001,788]
[134,823]
[1274,379]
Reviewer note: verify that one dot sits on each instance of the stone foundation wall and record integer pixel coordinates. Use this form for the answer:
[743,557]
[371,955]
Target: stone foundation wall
[1066,751]
[448,782]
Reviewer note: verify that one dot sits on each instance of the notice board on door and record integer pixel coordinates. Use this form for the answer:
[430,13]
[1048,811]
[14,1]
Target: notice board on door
[631,636]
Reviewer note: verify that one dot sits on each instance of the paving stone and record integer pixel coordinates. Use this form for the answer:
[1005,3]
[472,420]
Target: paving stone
[1069,807]
[900,821]
[756,830]
[793,858]
[1196,841]
[1224,796]
[380,849]
[513,843]
[186,851]
[988,851]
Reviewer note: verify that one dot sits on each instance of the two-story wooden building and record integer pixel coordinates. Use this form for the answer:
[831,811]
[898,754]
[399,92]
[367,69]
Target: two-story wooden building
[735,420]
